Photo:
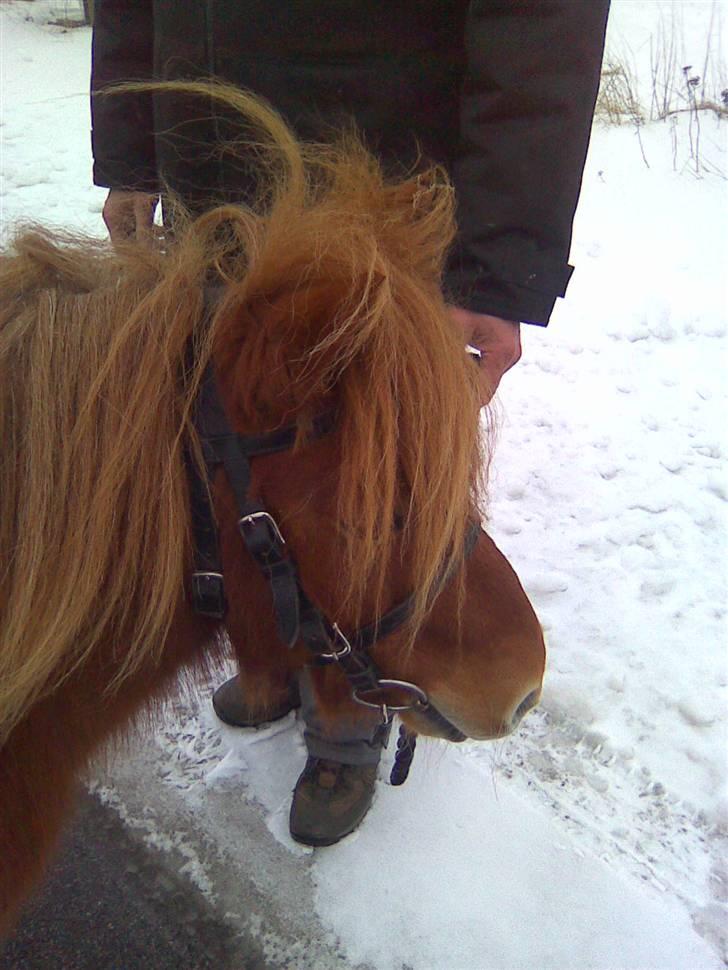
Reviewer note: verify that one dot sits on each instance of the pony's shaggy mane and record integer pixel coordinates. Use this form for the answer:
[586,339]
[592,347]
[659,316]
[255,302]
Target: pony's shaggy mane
[333,294]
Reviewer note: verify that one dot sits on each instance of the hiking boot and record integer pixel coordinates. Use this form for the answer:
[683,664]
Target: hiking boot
[232,708]
[329,801]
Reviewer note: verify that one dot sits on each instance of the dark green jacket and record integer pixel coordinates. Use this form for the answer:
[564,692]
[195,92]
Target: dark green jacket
[499,91]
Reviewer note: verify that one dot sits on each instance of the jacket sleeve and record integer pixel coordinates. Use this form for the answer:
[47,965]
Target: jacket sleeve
[526,109]
[122,136]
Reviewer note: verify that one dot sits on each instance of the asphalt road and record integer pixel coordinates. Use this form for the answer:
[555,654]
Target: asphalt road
[112,903]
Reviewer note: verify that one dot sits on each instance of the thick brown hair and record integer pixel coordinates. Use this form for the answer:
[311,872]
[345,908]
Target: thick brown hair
[333,283]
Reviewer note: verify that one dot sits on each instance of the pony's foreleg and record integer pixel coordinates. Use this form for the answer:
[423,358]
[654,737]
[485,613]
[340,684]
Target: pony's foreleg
[265,663]
[36,795]
[49,749]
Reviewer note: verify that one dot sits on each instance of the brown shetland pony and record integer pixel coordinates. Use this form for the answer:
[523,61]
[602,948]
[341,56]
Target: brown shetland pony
[333,298]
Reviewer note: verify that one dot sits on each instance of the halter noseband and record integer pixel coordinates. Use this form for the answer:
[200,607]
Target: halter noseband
[296,616]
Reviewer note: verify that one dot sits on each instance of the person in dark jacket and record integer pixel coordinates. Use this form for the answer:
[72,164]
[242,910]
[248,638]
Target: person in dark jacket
[500,92]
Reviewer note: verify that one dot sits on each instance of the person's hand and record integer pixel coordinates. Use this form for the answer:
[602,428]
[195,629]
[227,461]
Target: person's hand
[498,340]
[129,215]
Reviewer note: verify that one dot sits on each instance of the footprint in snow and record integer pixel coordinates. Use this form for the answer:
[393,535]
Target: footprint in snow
[515,493]
[228,771]
[719,488]
[277,824]
[545,584]
[652,588]
[30,181]
[694,716]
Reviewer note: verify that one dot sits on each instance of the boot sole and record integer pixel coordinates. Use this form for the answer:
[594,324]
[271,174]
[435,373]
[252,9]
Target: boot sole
[320,842]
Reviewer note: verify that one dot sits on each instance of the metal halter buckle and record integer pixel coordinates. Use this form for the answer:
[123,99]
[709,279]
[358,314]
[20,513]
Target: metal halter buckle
[420,700]
[208,594]
[267,518]
[338,637]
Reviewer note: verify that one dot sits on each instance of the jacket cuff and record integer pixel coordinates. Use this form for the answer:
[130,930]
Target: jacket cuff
[114,173]
[477,290]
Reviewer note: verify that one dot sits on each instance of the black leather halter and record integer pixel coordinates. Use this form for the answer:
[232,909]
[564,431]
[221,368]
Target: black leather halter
[296,616]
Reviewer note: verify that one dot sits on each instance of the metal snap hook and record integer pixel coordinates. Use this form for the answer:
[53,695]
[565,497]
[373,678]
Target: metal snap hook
[338,637]
[420,697]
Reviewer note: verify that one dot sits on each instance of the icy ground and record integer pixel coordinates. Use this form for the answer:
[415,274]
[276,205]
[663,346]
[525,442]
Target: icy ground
[596,836]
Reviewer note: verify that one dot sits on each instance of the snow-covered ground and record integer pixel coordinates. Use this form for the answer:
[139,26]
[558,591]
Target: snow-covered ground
[596,836]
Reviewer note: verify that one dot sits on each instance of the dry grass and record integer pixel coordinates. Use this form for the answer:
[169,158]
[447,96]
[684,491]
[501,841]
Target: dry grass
[674,86]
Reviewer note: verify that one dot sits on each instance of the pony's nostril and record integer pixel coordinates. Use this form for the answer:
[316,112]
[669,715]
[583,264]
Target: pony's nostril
[531,700]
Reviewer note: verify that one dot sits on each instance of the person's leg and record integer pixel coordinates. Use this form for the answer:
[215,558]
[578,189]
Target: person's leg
[356,738]
[336,788]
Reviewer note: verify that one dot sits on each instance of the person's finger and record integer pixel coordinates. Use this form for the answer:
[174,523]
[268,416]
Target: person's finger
[118,218]
[515,352]
[491,369]
[129,214]
[493,366]
[488,386]
[498,342]
[144,208]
